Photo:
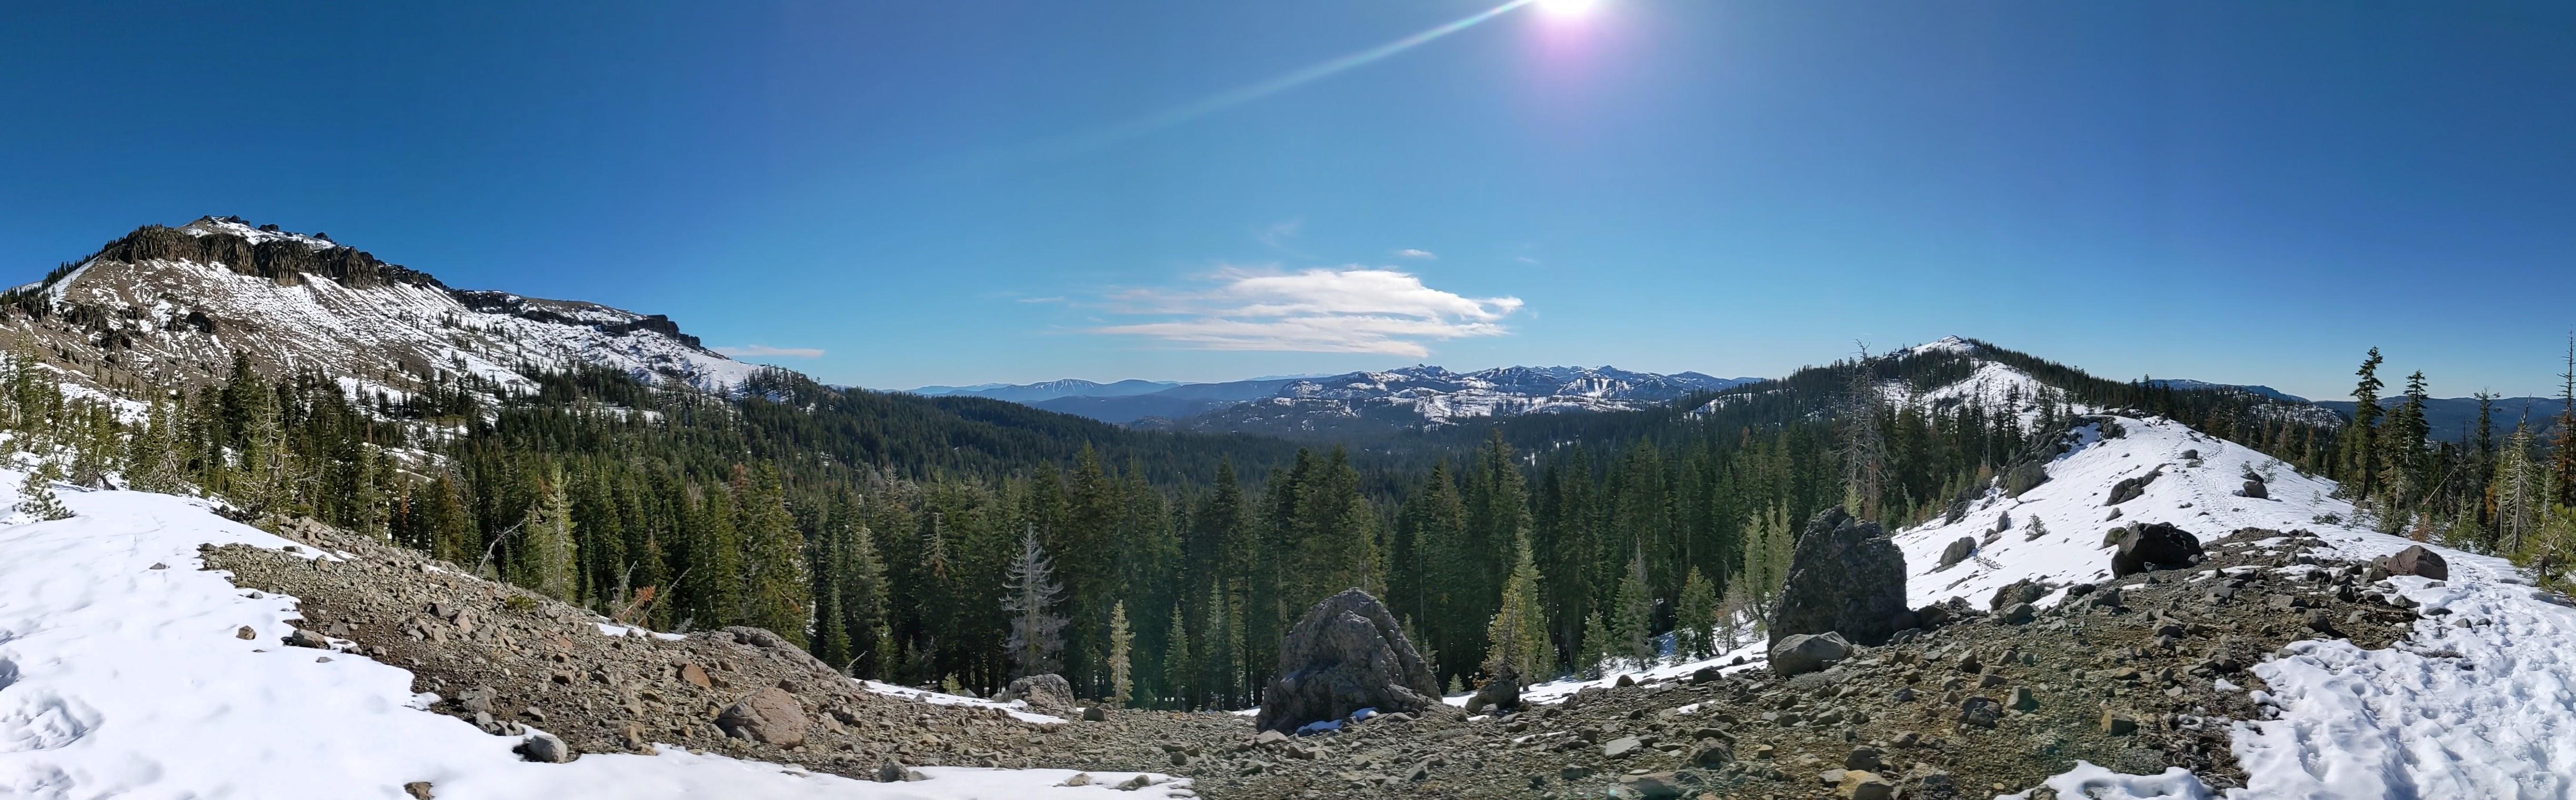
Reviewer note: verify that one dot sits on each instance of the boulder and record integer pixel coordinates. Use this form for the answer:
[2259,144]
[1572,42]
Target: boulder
[1499,693]
[1845,577]
[1045,694]
[544,748]
[2026,590]
[2256,490]
[1346,654]
[1957,551]
[770,716]
[2415,560]
[1808,652]
[2153,546]
[2024,477]
[2131,488]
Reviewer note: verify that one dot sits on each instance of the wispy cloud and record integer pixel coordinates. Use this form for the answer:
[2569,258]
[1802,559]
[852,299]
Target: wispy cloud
[1277,234]
[762,350]
[1424,255]
[1041,299]
[1351,309]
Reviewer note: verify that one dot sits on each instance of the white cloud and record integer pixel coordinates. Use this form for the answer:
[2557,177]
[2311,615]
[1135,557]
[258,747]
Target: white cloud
[1425,255]
[1041,299]
[1352,309]
[761,350]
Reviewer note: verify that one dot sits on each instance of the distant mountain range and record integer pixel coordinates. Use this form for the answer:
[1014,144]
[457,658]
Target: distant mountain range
[2265,391]
[1408,397]
[2452,418]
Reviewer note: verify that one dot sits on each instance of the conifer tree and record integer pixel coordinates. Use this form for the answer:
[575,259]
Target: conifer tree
[774,579]
[36,500]
[2361,454]
[1121,640]
[1036,642]
[1178,664]
[2520,492]
[1633,616]
[545,562]
[1695,618]
[1730,616]
[1594,653]
[1517,636]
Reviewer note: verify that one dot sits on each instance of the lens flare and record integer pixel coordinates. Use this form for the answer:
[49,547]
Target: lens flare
[1567,8]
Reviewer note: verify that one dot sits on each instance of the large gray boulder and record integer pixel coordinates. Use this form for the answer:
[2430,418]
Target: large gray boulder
[1345,655]
[1045,694]
[2415,560]
[1845,577]
[1808,652]
[2153,546]
[770,715]
[1957,551]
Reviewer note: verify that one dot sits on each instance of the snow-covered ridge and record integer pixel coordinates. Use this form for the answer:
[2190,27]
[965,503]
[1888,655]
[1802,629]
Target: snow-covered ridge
[124,673]
[178,320]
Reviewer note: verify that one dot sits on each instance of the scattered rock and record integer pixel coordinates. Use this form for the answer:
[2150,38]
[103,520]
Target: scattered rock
[1958,551]
[2118,724]
[2255,490]
[1982,712]
[305,638]
[245,633]
[418,790]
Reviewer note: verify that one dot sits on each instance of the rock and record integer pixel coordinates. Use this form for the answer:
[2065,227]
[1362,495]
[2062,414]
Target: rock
[418,790]
[1078,779]
[2417,561]
[2320,620]
[1652,786]
[1712,753]
[1347,654]
[2108,597]
[1804,653]
[2024,477]
[2018,613]
[245,633]
[1925,782]
[1845,577]
[770,715]
[1045,694]
[695,676]
[1622,747]
[1095,714]
[1701,675]
[2117,724]
[2152,546]
[1500,693]
[771,645]
[2256,490]
[305,638]
[1130,784]
[1625,681]
[544,748]
[2026,590]
[1866,785]
[2132,488]
[1980,711]
[892,772]
[2023,701]
[1958,551]
[1862,758]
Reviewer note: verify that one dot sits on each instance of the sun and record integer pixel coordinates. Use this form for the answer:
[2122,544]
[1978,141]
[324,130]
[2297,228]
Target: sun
[1567,8]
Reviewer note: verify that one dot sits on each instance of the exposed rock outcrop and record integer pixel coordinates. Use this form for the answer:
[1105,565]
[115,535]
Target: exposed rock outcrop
[1345,655]
[1845,577]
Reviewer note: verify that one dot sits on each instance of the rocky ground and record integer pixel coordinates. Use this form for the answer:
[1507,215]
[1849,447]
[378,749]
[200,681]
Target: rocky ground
[2138,674]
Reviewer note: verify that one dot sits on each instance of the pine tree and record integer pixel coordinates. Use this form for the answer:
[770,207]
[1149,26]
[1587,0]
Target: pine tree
[863,595]
[1036,642]
[2361,451]
[1633,616]
[1178,663]
[1730,617]
[2520,492]
[1695,618]
[545,561]
[1121,670]
[1517,636]
[36,500]
[774,580]
[1594,653]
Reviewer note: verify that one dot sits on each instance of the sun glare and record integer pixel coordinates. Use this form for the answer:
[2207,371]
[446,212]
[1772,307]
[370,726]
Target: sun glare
[1567,8]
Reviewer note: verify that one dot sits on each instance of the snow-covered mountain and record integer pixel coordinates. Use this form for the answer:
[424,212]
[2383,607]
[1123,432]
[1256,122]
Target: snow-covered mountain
[173,306]
[1429,396]
[1032,393]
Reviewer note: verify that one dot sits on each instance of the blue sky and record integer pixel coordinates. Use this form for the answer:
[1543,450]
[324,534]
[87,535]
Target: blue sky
[962,192]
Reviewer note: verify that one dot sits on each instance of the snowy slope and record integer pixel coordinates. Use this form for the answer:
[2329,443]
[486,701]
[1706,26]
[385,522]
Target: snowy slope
[2478,703]
[121,676]
[179,320]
